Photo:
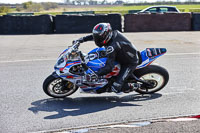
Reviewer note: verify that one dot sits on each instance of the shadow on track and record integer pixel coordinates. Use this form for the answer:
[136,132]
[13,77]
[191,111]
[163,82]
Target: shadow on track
[85,105]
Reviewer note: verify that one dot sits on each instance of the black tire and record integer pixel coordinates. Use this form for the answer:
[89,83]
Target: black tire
[50,79]
[152,69]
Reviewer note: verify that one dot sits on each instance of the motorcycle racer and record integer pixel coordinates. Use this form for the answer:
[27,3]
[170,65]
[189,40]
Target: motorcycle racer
[118,48]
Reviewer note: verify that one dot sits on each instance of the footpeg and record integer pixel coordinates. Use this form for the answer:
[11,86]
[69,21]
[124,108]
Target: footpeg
[134,86]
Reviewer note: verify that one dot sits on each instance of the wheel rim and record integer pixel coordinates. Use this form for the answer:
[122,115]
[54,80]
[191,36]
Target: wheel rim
[59,89]
[157,80]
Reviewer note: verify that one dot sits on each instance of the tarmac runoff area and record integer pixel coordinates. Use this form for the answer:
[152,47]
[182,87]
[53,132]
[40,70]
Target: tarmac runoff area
[26,60]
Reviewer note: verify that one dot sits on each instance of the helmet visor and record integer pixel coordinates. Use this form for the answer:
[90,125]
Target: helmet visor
[99,40]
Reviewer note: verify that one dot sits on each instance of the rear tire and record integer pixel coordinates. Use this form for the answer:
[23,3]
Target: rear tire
[154,74]
[58,88]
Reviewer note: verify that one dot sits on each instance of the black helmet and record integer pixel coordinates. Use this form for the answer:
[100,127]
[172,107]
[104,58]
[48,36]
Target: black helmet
[102,33]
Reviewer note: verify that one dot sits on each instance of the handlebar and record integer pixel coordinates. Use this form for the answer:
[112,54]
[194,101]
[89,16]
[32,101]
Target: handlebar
[75,45]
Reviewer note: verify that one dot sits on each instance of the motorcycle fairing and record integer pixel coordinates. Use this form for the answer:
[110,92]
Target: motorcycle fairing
[153,52]
[97,59]
[149,55]
[92,87]
[63,52]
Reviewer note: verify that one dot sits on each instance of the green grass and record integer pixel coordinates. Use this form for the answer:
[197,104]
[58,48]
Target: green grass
[145,6]
[1,14]
[50,13]
[12,10]
[112,11]
[115,9]
[124,9]
[186,7]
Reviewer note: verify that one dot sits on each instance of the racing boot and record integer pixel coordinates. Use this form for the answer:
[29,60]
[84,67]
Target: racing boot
[132,87]
[116,87]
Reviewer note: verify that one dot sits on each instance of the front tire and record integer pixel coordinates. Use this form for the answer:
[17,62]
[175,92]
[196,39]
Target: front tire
[153,74]
[58,88]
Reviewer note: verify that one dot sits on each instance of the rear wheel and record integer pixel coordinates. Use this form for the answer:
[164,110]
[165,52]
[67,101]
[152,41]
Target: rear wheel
[155,75]
[57,87]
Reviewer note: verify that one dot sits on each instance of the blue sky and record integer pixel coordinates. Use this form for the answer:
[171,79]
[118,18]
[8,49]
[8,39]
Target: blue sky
[21,1]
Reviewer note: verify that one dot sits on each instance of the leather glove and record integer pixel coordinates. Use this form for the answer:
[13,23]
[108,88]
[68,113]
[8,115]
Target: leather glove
[91,77]
[80,40]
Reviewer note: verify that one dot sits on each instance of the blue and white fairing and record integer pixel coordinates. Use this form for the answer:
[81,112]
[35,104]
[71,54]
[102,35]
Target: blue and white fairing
[149,55]
[95,60]
[97,57]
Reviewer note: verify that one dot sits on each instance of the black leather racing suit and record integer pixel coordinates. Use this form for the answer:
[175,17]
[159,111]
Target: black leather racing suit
[121,50]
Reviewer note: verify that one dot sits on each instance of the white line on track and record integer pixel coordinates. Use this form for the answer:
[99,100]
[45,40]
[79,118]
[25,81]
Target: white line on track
[32,60]
[183,54]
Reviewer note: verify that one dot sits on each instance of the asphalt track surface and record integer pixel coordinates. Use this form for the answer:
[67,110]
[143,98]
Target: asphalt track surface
[26,60]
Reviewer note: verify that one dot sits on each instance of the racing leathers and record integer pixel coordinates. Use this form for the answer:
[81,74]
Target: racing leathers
[118,49]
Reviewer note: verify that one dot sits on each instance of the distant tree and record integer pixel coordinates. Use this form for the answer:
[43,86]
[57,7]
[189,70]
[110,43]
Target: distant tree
[18,8]
[32,7]
[49,5]
[26,5]
[36,7]
[4,9]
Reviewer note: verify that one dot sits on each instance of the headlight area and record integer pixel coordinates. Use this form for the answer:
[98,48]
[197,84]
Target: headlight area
[60,61]
[73,56]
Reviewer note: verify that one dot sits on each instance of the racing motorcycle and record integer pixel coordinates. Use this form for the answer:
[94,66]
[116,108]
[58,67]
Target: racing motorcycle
[73,67]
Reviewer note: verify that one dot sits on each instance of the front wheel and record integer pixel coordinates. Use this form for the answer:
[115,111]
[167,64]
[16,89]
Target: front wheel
[155,75]
[57,87]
